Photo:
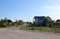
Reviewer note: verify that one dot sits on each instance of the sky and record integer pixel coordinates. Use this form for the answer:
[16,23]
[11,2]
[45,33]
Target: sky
[26,9]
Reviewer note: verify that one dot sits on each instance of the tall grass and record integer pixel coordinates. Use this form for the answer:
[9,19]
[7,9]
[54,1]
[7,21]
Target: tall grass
[41,29]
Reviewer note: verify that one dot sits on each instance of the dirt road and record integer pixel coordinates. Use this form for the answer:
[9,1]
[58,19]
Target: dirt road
[15,33]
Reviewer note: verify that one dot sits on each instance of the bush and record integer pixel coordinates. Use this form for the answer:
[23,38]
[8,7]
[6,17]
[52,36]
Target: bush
[2,24]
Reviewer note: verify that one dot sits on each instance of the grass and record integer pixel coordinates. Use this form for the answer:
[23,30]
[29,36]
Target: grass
[57,30]
[41,29]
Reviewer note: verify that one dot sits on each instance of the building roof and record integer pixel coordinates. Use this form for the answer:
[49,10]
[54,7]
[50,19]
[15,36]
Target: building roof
[39,16]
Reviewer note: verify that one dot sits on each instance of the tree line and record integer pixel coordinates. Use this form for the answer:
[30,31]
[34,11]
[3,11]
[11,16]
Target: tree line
[8,22]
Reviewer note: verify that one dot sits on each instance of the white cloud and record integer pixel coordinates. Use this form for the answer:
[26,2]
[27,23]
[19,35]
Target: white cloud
[52,11]
[54,0]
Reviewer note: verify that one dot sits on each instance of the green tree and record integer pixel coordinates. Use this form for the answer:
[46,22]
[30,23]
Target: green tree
[5,22]
[48,19]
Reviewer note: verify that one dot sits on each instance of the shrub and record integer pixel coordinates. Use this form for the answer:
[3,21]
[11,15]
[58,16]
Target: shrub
[2,24]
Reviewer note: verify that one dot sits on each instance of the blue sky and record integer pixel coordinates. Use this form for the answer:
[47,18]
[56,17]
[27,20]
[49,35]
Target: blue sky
[27,9]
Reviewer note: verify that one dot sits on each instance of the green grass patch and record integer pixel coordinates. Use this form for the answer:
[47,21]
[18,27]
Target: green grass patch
[39,29]
[57,30]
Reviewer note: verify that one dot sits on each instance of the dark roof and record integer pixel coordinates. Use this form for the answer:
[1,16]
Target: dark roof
[39,16]
[58,20]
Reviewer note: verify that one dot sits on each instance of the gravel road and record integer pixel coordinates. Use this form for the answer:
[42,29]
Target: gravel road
[15,33]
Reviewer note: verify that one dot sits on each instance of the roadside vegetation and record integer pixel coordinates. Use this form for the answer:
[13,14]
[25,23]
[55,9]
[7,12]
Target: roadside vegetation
[55,28]
[4,23]
[41,29]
